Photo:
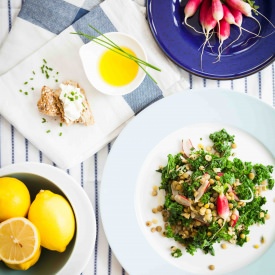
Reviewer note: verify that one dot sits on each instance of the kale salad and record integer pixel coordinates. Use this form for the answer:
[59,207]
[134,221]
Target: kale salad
[212,196]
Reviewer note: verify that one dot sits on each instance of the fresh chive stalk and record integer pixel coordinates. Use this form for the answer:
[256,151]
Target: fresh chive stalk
[111,45]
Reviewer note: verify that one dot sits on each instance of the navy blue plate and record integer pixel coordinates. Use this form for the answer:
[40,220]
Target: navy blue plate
[183,45]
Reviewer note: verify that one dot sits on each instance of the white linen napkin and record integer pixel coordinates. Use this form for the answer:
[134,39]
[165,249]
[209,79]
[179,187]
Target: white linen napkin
[20,86]
[38,22]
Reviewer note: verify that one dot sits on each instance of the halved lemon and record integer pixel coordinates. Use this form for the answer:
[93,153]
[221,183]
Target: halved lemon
[19,241]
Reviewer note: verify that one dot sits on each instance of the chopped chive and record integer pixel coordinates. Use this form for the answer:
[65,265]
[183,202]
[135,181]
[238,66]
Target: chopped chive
[44,61]
[33,72]
[60,124]
[31,78]
[56,80]
[60,134]
[44,120]
[20,91]
[32,88]
[26,93]
[48,131]
[26,82]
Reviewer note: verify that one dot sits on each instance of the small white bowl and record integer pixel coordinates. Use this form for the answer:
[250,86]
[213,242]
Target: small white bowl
[91,53]
[37,176]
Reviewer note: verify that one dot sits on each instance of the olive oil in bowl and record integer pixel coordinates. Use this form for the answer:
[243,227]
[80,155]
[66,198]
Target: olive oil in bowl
[117,70]
[113,73]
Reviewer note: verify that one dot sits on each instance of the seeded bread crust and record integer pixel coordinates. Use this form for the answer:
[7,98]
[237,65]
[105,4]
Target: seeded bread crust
[50,104]
[47,104]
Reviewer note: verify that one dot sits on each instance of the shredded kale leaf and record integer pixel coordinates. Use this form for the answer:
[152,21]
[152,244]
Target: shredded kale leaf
[222,142]
[177,253]
[197,225]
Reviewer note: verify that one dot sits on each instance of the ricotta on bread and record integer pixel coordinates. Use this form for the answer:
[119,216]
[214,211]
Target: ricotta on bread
[68,102]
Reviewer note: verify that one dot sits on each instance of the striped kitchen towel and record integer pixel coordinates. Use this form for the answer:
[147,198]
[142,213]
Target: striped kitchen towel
[38,22]
[21,84]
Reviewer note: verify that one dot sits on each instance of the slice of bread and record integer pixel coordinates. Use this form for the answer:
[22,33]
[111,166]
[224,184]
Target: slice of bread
[50,104]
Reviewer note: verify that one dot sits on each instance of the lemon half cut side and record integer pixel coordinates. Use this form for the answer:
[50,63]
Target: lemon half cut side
[19,241]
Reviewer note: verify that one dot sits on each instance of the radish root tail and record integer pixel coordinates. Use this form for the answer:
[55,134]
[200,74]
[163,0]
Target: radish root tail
[190,26]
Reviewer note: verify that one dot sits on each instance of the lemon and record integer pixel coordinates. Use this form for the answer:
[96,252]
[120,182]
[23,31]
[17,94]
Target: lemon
[19,243]
[27,264]
[14,198]
[53,216]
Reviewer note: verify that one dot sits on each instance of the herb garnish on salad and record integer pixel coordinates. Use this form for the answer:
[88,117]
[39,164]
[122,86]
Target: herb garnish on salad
[211,196]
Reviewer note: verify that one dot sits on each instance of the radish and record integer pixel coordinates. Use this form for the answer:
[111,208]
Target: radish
[246,10]
[221,205]
[182,200]
[238,17]
[208,23]
[233,20]
[234,17]
[203,11]
[223,34]
[189,10]
[228,15]
[217,10]
[241,6]
[234,217]
[187,147]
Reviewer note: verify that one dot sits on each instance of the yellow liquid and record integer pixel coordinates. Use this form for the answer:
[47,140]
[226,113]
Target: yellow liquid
[117,70]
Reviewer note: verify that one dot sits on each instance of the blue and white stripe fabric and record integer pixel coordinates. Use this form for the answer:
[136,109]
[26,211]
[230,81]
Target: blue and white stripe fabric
[22,36]
[61,53]
[37,23]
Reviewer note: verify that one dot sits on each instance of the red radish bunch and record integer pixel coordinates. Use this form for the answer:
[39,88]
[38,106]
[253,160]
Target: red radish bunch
[216,16]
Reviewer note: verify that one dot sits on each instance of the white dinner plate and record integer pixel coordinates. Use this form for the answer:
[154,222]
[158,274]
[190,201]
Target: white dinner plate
[129,175]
